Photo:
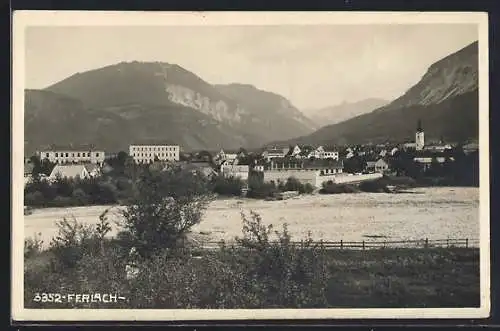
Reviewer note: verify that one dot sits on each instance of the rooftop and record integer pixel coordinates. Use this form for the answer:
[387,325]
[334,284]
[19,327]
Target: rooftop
[72,147]
[68,170]
[153,142]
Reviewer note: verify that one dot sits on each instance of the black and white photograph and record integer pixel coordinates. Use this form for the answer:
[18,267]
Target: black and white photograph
[239,165]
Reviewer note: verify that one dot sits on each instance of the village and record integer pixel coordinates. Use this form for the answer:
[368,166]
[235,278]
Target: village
[314,165]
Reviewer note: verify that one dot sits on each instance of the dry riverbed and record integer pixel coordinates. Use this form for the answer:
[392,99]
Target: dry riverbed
[434,213]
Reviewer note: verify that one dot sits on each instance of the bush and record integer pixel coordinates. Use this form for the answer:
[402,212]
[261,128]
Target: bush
[33,246]
[227,186]
[166,205]
[293,184]
[331,188]
[373,186]
[260,190]
[282,273]
[80,197]
[34,199]
[75,239]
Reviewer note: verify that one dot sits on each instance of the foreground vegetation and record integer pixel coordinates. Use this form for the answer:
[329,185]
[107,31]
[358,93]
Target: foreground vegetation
[155,263]
[257,275]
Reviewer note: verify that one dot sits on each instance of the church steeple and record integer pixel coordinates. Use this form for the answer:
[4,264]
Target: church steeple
[419,137]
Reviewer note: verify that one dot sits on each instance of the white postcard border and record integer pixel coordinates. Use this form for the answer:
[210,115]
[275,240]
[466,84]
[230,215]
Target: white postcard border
[23,19]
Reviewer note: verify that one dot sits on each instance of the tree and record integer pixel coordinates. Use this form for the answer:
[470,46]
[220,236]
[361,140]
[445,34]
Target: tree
[205,156]
[165,206]
[354,164]
[41,167]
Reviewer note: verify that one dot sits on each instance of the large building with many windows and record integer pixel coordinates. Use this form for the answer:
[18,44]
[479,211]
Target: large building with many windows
[147,153]
[72,154]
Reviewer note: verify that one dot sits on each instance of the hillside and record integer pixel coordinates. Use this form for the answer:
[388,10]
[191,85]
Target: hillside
[445,99]
[272,110]
[154,85]
[344,111]
[51,118]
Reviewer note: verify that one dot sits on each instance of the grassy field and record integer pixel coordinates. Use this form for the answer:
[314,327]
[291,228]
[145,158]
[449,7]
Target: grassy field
[384,278]
[434,213]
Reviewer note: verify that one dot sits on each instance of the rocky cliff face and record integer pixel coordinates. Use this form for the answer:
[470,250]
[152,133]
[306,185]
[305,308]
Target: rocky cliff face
[218,109]
[445,100]
[159,94]
[452,76]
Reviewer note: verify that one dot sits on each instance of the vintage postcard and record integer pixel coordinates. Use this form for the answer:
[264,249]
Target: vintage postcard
[197,166]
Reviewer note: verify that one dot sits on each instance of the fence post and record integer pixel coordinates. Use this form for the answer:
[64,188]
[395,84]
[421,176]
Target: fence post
[363,245]
[466,242]
[426,242]
[341,244]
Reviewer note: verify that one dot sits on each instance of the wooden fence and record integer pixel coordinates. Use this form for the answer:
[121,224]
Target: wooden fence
[377,244]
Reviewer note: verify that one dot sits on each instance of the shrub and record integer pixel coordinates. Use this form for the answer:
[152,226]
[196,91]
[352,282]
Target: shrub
[332,188]
[307,188]
[34,199]
[33,246]
[373,186]
[282,273]
[80,197]
[75,239]
[260,190]
[227,186]
[166,205]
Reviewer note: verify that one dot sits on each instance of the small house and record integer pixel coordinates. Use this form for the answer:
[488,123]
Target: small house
[69,171]
[377,166]
[93,169]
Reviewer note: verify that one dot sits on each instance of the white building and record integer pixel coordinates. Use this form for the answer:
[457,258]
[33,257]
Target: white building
[419,138]
[223,156]
[236,171]
[275,152]
[322,153]
[147,153]
[438,148]
[65,155]
[295,151]
[69,171]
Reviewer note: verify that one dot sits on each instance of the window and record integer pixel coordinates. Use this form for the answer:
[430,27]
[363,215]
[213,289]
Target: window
[97,154]
[88,154]
[57,154]
[73,154]
[78,154]
[46,154]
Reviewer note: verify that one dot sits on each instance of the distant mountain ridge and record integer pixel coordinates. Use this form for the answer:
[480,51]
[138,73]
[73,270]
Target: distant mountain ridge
[155,100]
[344,111]
[445,99]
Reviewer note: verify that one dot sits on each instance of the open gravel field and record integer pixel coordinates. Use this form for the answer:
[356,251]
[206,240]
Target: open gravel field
[434,213]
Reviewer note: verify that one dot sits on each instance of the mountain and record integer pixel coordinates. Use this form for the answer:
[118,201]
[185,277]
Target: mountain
[51,118]
[161,101]
[344,111]
[445,100]
[271,110]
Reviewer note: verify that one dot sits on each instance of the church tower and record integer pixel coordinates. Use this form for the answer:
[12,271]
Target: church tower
[419,137]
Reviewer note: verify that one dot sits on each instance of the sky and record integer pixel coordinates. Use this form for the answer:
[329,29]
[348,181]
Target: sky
[313,66]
